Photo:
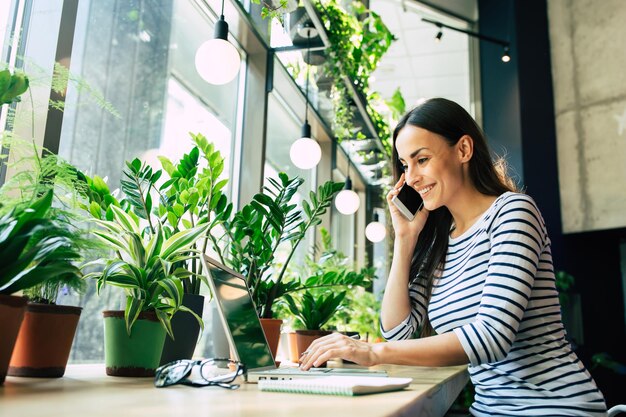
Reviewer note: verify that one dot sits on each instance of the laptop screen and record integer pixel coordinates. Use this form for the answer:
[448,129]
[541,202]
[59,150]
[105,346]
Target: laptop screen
[240,316]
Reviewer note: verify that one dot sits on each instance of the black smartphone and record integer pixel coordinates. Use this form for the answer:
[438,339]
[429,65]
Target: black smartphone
[408,201]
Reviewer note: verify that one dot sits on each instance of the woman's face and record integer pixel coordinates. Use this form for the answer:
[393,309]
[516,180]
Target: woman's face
[431,166]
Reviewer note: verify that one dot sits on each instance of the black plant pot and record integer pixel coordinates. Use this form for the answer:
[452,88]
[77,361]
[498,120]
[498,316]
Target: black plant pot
[186,330]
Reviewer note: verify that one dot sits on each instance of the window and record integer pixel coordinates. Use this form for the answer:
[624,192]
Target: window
[133,92]
[283,128]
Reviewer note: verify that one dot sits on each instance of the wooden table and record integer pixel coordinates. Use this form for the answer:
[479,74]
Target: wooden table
[85,390]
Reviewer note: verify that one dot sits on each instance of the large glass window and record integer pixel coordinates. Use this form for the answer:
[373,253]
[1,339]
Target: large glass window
[283,128]
[133,92]
[142,59]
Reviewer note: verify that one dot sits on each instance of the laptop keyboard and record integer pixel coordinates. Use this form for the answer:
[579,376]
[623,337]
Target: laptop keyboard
[294,371]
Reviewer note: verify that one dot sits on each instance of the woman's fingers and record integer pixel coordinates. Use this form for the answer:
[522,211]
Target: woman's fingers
[313,351]
[396,189]
[336,346]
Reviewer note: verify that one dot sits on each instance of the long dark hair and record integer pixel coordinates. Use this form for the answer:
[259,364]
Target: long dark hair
[450,121]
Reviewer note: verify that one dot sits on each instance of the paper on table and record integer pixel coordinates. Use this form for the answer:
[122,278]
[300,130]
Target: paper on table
[336,385]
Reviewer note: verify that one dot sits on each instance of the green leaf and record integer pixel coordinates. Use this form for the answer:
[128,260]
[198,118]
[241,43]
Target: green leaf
[167,165]
[181,241]
[174,289]
[125,220]
[178,209]
[134,306]
[172,219]
[95,210]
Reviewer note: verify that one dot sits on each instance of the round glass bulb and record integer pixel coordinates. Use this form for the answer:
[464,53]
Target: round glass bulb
[217,61]
[347,202]
[305,153]
[375,232]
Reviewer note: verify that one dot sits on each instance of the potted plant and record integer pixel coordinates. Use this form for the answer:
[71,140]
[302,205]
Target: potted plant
[313,310]
[33,247]
[179,197]
[34,243]
[314,302]
[45,337]
[148,268]
[571,307]
[192,195]
[257,230]
[16,229]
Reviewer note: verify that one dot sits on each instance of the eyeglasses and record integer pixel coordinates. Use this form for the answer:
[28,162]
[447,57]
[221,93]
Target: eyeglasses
[199,373]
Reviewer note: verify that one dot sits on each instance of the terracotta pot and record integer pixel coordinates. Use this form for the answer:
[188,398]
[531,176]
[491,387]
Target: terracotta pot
[137,354]
[44,342]
[11,316]
[293,347]
[271,328]
[304,338]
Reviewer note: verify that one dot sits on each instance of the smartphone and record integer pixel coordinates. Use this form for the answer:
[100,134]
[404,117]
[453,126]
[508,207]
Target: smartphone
[408,201]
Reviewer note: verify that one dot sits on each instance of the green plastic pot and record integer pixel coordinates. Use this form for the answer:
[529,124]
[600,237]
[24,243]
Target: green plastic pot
[137,354]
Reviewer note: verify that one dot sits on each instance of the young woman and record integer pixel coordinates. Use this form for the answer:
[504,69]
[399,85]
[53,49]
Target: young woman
[474,266]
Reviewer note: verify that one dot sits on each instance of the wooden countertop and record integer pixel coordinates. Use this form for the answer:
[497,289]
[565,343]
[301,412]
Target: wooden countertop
[87,391]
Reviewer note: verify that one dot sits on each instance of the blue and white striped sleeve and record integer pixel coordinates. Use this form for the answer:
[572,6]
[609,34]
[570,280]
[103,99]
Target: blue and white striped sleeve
[406,329]
[517,238]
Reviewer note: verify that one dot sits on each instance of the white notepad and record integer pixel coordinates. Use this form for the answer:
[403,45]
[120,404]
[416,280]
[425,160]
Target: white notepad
[336,385]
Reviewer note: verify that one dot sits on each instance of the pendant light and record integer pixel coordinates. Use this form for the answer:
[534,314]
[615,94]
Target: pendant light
[347,201]
[217,60]
[375,231]
[305,153]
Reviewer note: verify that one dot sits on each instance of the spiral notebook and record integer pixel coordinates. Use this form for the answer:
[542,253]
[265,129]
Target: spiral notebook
[336,385]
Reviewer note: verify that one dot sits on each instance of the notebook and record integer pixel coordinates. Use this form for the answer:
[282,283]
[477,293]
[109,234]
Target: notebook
[245,334]
[336,385]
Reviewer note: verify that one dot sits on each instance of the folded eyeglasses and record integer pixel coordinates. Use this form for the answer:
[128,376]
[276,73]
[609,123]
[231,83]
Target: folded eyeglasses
[199,373]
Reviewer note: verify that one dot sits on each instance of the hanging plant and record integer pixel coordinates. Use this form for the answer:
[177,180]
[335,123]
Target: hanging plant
[358,40]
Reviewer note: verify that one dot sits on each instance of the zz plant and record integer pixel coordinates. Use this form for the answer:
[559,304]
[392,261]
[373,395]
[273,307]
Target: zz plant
[270,220]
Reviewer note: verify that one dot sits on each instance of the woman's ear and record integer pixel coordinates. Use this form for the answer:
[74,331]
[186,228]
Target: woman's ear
[465,148]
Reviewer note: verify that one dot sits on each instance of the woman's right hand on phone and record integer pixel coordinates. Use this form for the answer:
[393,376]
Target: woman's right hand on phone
[405,229]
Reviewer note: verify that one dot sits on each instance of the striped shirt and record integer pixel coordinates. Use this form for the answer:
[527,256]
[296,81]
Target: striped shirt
[497,294]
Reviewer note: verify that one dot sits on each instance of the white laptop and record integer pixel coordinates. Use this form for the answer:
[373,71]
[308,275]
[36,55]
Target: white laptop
[245,334]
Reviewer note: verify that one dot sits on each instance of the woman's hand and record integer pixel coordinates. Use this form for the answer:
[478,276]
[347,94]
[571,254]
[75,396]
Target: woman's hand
[337,345]
[405,230]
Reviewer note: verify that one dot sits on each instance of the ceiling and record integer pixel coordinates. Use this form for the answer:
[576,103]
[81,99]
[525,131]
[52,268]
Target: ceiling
[418,64]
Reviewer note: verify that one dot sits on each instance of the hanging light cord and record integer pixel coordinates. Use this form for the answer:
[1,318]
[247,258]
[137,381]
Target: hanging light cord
[349,163]
[306,94]
[222,14]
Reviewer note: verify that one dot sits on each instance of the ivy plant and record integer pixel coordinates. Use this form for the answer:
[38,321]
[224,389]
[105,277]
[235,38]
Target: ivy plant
[358,39]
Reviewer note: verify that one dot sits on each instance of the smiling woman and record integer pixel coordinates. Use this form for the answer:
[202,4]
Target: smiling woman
[474,265]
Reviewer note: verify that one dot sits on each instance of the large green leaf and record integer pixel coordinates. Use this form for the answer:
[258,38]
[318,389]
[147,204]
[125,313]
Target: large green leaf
[181,241]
